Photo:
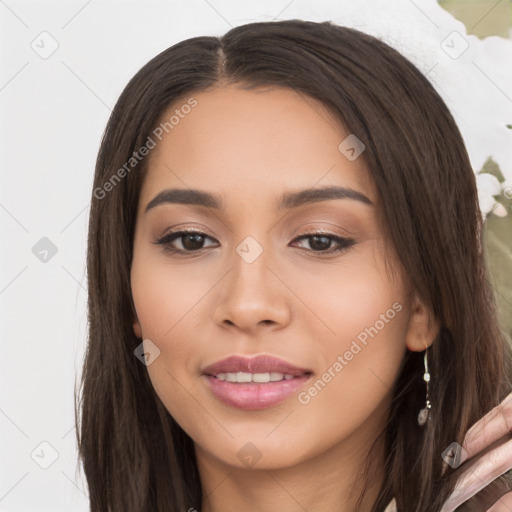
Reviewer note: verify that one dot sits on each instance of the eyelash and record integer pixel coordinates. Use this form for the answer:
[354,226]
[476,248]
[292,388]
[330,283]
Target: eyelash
[166,240]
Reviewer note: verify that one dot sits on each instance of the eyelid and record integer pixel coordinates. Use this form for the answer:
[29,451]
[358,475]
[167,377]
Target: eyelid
[328,228]
[199,230]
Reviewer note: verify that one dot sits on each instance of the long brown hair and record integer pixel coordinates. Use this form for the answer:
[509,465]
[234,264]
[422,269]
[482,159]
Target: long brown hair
[135,456]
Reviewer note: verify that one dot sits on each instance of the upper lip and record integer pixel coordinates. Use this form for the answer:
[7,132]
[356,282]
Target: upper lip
[258,364]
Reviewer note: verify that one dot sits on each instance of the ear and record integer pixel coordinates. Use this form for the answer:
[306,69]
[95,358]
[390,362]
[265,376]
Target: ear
[423,326]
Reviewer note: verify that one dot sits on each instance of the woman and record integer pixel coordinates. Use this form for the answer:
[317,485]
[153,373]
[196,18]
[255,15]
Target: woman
[288,301]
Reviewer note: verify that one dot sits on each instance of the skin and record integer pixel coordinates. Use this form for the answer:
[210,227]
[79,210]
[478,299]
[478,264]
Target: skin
[480,440]
[300,305]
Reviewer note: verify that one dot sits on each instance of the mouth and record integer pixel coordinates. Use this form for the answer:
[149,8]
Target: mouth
[254,383]
[244,377]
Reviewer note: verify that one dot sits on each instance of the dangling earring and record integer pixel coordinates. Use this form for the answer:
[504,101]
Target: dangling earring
[424,413]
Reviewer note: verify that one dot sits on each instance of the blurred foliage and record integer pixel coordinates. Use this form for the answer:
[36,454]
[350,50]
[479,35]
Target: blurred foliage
[498,252]
[482,17]
[491,167]
[498,249]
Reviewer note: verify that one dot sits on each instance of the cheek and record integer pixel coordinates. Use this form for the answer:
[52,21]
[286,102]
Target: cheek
[366,318]
[168,302]
[360,362]
[354,299]
[360,328]
[162,296]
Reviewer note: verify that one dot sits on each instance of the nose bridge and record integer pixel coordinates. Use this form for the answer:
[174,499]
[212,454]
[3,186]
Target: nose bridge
[250,250]
[250,268]
[251,293]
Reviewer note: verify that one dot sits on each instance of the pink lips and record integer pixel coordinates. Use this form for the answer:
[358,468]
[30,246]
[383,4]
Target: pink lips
[254,395]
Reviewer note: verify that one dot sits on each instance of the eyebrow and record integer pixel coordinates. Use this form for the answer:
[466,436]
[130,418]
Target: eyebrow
[286,201]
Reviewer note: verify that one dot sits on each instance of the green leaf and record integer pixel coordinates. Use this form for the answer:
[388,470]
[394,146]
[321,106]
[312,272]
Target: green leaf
[482,17]
[498,253]
[491,167]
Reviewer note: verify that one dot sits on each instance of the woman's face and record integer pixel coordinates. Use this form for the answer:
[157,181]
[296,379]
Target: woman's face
[326,320]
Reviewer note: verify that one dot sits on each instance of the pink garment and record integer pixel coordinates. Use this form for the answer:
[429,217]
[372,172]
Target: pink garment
[391,507]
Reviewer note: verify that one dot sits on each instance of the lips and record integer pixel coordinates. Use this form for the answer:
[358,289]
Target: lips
[254,383]
[258,364]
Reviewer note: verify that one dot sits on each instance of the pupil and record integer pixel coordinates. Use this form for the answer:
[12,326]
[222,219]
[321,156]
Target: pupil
[196,243]
[315,246]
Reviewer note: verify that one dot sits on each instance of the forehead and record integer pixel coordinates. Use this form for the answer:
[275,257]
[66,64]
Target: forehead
[252,142]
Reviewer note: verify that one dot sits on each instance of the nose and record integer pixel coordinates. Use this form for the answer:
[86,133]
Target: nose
[252,295]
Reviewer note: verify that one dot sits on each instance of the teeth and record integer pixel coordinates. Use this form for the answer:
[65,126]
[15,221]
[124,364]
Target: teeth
[254,377]
[243,377]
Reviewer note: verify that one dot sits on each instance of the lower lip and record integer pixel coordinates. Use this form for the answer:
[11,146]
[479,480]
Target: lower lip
[253,395]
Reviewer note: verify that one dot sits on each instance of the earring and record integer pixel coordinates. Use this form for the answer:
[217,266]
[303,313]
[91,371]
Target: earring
[424,413]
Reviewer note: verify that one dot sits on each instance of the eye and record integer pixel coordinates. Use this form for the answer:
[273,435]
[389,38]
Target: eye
[322,242]
[191,241]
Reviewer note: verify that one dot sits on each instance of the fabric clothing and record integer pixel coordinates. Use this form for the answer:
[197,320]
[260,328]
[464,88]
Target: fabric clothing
[391,506]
